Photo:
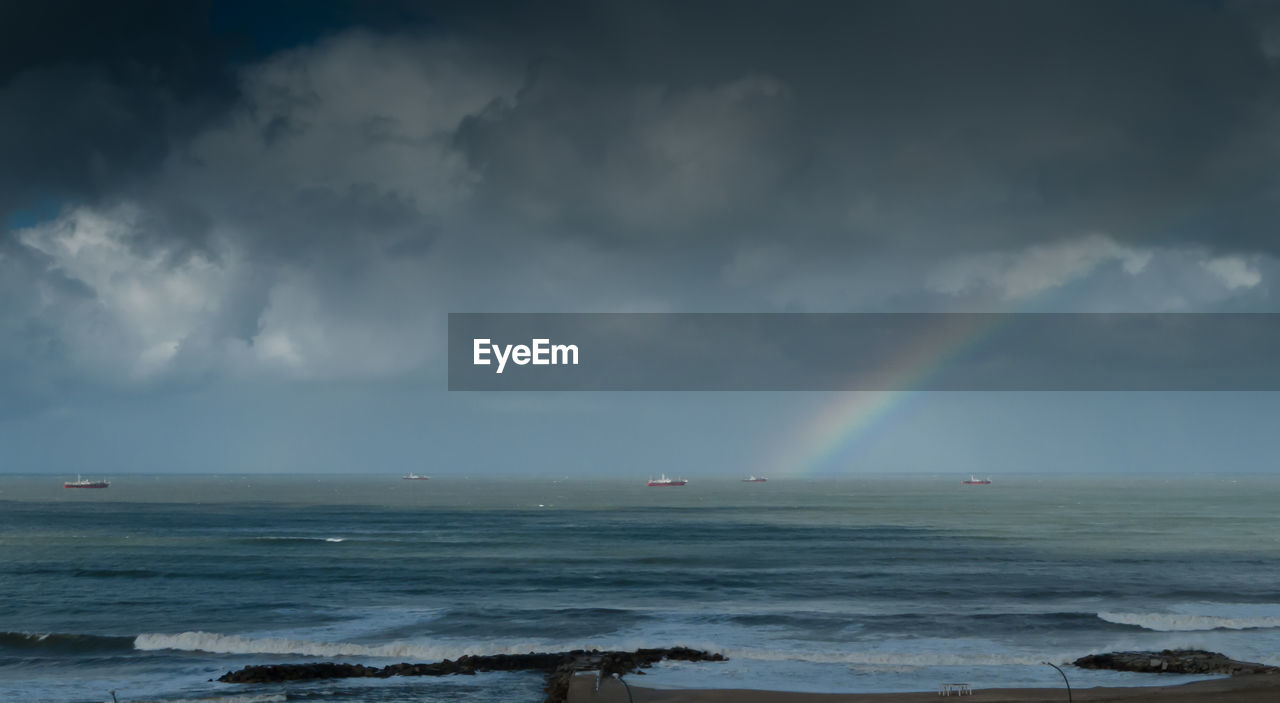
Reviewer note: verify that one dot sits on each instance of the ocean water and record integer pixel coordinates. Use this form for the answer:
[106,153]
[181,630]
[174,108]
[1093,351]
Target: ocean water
[160,583]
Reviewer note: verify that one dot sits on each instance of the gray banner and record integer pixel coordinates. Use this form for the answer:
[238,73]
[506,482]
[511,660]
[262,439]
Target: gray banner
[863,351]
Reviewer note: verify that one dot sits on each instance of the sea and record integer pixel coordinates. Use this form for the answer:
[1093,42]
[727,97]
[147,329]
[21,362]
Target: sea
[156,586]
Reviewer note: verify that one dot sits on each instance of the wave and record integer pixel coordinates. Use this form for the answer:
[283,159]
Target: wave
[897,659]
[416,651]
[288,539]
[1181,622]
[63,643]
[215,643]
[250,698]
[953,624]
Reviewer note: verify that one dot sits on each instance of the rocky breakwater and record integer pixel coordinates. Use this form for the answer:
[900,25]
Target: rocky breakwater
[559,667]
[1173,661]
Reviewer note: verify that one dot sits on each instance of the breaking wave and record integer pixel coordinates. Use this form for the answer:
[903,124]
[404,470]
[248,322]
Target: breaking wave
[291,539]
[413,651]
[1179,622]
[250,698]
[236,644]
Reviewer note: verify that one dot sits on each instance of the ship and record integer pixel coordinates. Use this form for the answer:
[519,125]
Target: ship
[975,481]
[664,481]
[415,477]
[86,483]
[754,479]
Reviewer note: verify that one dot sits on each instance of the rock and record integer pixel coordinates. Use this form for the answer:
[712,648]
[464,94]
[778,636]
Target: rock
[1173,661]
[558,666]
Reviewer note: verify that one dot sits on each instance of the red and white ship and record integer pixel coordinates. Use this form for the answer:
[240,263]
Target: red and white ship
[86,483]
[975,481]
[754,479]
[415,477]
[664,481]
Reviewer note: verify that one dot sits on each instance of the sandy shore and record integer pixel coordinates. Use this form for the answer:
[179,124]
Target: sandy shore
[1242,689]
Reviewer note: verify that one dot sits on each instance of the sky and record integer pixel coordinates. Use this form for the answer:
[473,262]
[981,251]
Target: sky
[230,232]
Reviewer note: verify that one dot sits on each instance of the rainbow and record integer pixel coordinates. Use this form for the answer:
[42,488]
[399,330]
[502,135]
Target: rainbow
[852,417]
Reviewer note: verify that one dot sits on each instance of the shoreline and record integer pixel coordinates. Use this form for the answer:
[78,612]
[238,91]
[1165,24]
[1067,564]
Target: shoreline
[1255,688]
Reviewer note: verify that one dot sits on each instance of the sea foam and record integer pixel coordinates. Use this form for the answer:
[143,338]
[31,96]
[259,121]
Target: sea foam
[1183,622]
[401,649]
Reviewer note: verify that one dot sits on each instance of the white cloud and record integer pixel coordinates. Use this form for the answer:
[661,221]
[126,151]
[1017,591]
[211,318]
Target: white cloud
[328,139]
[1234,272]
[389,325]
[142,307]
[1036,269]
[134,315]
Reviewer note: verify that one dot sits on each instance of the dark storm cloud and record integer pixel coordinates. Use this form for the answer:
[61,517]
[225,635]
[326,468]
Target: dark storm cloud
[302,189]
[908,125]
[92,94]
[315,217]
[918,125]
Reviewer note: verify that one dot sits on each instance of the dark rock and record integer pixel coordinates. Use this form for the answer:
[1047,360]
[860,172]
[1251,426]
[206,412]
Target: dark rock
[1173,661]
[558,666]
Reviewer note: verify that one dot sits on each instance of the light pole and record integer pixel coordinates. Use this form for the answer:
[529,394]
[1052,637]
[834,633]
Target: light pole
[1064,679]
[624,685]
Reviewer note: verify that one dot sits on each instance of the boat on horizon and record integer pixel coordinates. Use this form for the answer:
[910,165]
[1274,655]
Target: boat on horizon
[86,483]
[415,477]
[664,481]
[754,479]
[975,481]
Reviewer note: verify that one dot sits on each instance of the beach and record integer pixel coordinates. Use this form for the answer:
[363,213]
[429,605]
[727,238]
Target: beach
[1243,689]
